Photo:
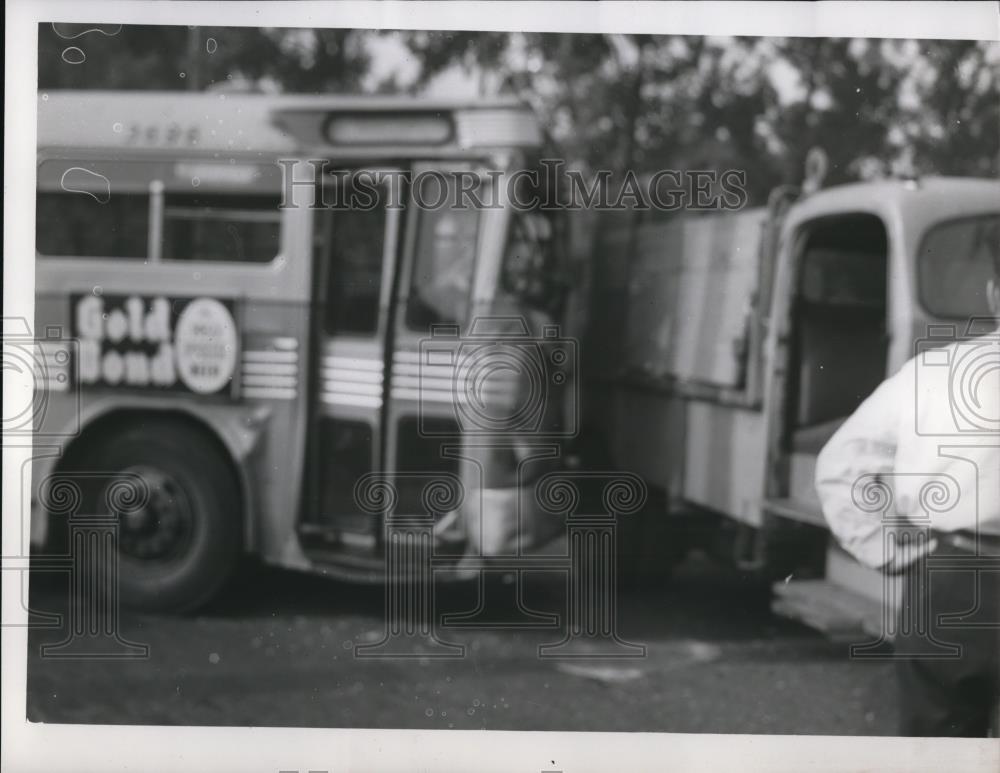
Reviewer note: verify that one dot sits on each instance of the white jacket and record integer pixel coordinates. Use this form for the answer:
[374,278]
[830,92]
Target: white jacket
[924,447]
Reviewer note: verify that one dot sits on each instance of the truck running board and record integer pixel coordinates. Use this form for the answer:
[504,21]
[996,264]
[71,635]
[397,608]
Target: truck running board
[839,613]
[796,510]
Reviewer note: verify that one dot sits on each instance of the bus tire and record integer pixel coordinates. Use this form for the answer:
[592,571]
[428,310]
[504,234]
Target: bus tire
[177,552]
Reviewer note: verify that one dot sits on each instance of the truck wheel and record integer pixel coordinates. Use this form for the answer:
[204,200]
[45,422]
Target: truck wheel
[176,552]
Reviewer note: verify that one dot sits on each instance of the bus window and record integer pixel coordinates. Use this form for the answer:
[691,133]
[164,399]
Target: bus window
[221,227]
[353,241]
[442,269]
[80,225]
[955,261]
[350,248]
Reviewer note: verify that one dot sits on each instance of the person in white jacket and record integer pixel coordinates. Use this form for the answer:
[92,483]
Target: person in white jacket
[929,439]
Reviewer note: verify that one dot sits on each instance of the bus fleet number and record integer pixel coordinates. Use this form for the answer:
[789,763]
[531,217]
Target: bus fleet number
[172,134]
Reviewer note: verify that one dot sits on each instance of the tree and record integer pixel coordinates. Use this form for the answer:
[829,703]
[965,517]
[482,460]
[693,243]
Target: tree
[640,102]
[954,122]
[648,102]
[195,58]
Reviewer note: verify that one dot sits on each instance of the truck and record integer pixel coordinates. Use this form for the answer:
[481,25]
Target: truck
[722,350]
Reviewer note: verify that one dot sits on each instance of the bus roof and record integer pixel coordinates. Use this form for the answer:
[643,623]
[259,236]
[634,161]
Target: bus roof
[270,125]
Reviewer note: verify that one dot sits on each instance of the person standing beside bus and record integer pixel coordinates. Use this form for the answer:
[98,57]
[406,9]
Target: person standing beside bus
[940,696]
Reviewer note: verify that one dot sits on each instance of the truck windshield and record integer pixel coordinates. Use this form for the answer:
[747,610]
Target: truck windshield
[955,261]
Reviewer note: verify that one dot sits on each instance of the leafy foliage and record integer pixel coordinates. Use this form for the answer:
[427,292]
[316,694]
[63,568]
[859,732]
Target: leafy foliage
[195,58]
[640,102]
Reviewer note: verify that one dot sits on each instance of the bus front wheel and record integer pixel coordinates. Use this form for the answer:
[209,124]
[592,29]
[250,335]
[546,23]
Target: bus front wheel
[176,551]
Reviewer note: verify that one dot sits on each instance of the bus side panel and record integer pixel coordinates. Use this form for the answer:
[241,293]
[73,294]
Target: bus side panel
[58,422]
[261,430]
[276,468]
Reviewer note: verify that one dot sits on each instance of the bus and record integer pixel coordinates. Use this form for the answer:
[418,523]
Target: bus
[219,327]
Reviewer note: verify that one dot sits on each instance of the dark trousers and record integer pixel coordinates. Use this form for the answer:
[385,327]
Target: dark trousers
[943,695]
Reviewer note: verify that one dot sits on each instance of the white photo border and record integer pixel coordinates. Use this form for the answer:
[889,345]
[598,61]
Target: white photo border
[45,748]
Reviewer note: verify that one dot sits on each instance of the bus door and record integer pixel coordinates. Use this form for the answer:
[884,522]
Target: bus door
[355,238]
[447,248]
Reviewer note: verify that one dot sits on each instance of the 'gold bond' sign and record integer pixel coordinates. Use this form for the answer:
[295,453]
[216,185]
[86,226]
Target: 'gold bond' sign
[131,341]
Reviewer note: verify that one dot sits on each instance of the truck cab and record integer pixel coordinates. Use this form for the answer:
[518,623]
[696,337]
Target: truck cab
[722,350]
[868,273]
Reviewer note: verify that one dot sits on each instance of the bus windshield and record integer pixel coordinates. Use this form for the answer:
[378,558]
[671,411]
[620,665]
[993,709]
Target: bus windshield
[444,261]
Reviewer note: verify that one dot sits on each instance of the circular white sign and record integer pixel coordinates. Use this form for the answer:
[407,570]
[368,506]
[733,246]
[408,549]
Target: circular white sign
[205,346]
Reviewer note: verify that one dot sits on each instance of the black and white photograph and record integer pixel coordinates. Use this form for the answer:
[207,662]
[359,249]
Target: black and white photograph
[405,377]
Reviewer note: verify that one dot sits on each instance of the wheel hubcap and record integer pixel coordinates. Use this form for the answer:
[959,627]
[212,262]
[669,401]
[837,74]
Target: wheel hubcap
[160,530]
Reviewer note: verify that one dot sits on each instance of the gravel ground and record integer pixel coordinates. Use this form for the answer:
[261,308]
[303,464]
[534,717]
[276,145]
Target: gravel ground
[278,650]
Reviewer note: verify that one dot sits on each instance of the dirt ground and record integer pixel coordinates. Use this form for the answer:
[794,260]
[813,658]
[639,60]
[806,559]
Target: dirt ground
[279,649]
